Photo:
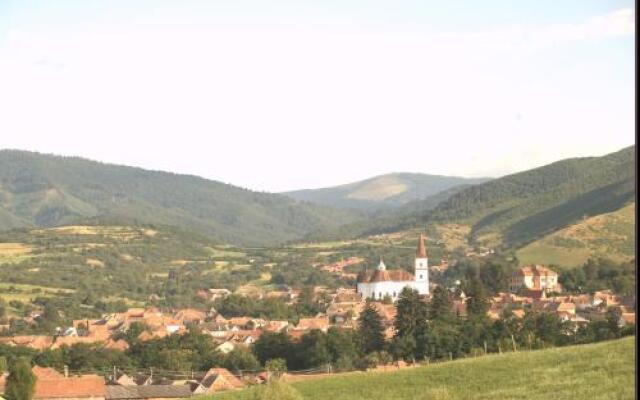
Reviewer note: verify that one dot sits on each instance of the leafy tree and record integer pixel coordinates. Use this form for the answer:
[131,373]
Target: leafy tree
[21,381]
[241,359]
[342,348]
[3,364]
[307,303]
[131,335]
[544,329]
[612,317]
[495,277]
[344,363]
[370,329]
[272,345]
[312,350]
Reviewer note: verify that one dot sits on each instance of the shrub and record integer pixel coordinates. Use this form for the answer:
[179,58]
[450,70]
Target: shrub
[276,367]
[276,390]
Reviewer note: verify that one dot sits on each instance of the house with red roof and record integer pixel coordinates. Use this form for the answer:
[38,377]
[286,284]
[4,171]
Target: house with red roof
[536,278]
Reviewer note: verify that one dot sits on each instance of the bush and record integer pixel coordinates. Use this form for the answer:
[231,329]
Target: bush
[276,367]
[276,390]
[344,363]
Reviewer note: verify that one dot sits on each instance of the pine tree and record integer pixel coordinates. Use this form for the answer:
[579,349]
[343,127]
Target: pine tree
[411,315]
[440,306]
[21,381]
[370,329]
[477,300]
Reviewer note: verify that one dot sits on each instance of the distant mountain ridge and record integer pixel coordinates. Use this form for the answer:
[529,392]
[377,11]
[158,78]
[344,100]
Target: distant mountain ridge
[516,209]
[46,190]
[383,191]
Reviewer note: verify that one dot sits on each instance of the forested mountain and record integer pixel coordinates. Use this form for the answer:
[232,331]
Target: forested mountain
[521,207]
[384,191]
[46,190]
[529,204]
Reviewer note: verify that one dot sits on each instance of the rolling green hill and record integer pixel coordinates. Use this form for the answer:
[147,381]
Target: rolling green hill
[522,207]
[385,191]
[595,371]
[517,209]
[611,236]
[45,190]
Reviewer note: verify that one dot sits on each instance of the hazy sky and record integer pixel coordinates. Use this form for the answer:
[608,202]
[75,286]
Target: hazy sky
[277,95]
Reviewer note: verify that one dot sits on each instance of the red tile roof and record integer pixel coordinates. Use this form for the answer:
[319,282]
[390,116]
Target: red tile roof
[396,275]
[72,387]
[46,373]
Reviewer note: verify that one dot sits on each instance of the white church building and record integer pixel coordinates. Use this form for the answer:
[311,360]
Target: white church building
[379,283]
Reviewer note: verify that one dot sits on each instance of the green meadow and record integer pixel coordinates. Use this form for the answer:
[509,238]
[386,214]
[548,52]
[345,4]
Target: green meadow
[604,370]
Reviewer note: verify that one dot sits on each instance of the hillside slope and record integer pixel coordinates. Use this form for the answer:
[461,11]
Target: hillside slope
[527,205]
[519,208]
[594,371]
[610,235]
[384,191]
[46,190]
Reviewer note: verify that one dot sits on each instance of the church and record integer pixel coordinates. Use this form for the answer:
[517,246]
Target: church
[379,283]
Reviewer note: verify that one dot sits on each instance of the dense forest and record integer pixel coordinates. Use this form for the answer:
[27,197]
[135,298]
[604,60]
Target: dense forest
[46,190]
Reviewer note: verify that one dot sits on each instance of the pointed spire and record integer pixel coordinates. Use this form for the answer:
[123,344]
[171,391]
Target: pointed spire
[381,266]
[422,248]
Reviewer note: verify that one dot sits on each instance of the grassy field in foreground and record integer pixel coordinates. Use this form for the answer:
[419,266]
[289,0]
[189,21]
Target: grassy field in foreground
[595,371]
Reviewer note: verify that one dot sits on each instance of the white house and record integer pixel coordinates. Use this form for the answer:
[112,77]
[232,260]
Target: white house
[380,283]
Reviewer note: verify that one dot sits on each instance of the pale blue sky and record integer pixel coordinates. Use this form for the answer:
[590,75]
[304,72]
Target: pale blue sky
[291,94]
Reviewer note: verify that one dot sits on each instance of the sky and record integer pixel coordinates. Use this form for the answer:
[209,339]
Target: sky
[284,95]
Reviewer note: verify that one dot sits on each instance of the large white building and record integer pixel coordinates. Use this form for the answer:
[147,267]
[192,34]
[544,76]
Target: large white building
[379,283]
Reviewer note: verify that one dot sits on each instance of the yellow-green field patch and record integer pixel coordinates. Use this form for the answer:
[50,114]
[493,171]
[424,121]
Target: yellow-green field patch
[27,293]
[222,253]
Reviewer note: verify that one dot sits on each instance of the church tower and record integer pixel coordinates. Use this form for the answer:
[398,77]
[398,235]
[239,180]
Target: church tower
[422,266]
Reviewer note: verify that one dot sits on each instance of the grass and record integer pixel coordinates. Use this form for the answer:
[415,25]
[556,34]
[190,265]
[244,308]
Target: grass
[540,252]
[594,371]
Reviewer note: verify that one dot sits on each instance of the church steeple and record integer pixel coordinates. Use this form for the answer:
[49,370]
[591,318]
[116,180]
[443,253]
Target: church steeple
[421,252]
[422,265]
[381,266]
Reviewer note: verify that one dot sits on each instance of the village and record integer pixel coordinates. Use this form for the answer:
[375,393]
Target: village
[532,288]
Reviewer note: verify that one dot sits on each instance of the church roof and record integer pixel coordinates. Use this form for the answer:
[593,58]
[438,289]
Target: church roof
[396,275]
[421,252]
